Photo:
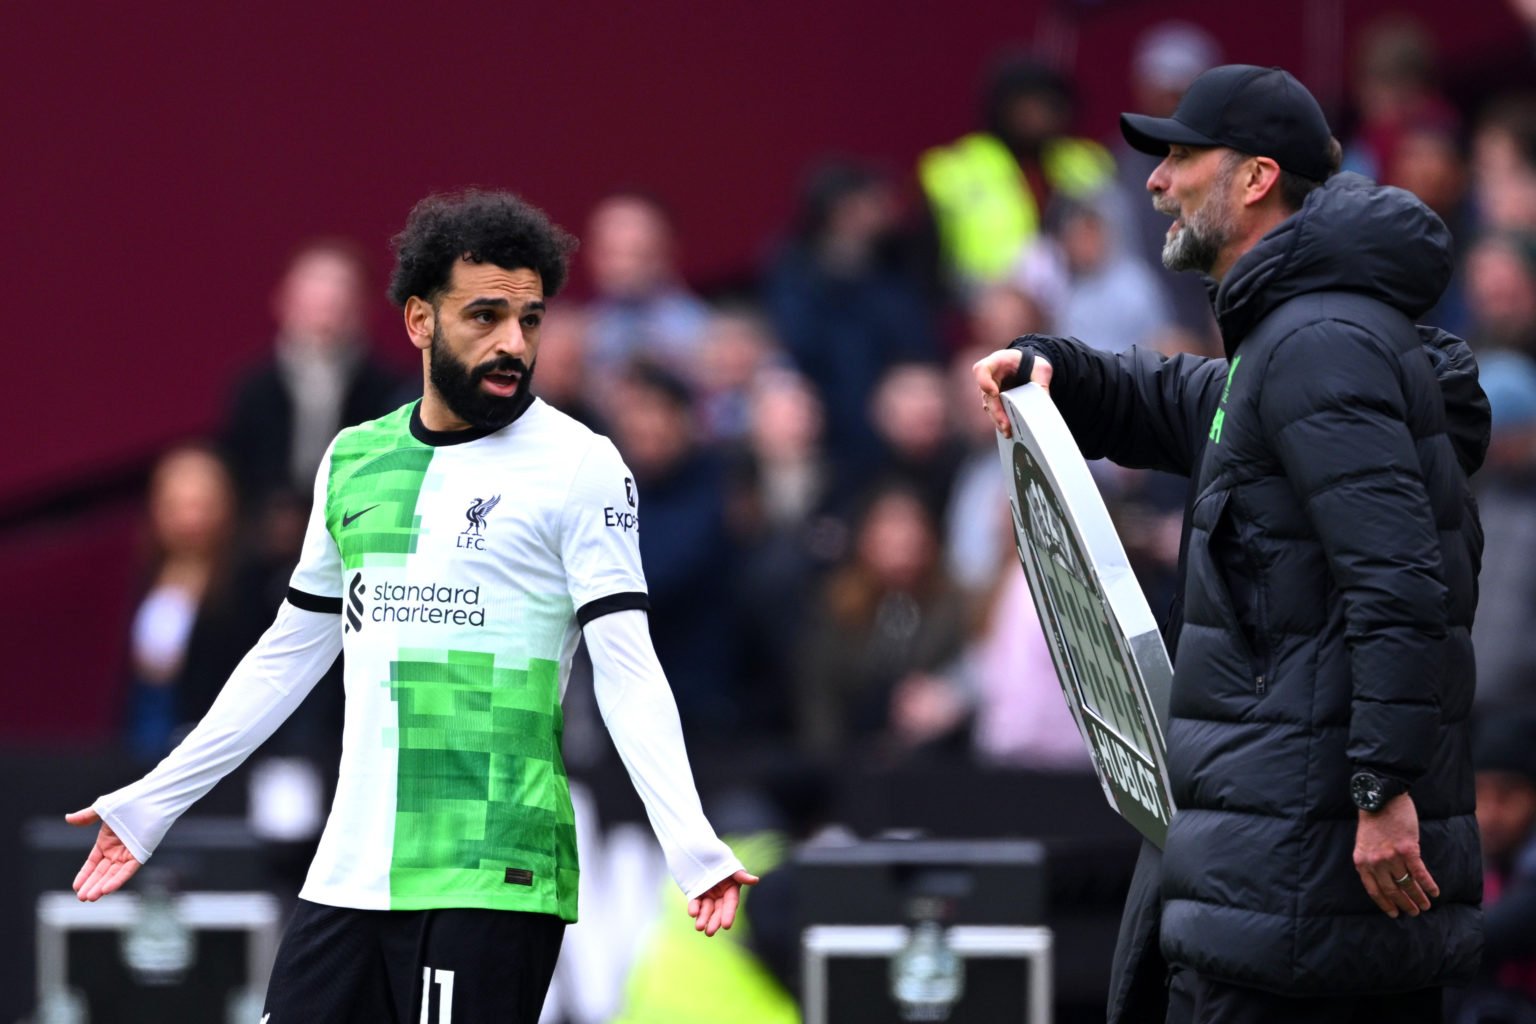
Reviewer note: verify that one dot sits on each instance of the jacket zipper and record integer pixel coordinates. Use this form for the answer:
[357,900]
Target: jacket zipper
[1260,648]
[1258,666]
[1258,651]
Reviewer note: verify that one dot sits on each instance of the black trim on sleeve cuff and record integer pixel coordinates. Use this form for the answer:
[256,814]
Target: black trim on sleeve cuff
[314,602]
[633,601]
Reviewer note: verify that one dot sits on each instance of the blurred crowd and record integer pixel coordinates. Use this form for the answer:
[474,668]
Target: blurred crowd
[825,530]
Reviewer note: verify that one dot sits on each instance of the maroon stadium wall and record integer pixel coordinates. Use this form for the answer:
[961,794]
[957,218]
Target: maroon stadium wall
[162,162]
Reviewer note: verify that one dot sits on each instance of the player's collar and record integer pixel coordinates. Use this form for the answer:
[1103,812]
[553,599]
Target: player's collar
[441,438]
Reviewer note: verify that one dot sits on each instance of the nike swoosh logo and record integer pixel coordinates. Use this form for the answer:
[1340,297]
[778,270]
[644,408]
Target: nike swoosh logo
[348,520]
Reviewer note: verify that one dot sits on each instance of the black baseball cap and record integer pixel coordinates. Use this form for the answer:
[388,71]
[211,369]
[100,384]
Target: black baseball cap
[1259,111]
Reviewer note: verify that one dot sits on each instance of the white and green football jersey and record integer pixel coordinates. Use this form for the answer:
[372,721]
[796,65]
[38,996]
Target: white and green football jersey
[464,565]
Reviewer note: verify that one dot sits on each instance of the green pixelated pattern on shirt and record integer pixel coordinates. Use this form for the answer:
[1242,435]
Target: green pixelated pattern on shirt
[377,471]
[481,787]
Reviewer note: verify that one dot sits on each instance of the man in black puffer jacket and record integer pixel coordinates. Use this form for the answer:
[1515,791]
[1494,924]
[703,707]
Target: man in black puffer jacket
[1323,864]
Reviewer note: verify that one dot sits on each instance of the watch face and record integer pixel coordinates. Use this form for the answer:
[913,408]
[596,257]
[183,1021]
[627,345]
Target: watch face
[1365,788]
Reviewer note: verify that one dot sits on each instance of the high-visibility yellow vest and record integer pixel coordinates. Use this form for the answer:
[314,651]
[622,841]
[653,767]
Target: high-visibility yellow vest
[681,977]
[985,210]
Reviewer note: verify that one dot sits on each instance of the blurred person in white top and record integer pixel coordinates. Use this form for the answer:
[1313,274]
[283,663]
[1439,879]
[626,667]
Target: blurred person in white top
[640,308]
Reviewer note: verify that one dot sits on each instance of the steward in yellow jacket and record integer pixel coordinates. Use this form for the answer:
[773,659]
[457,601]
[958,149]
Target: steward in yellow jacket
[988,190]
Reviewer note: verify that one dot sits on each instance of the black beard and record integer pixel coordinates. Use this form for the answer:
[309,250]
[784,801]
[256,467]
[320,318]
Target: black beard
[459,387]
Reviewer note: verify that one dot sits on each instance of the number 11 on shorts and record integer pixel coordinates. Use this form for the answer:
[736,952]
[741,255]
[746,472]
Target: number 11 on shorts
[445,996]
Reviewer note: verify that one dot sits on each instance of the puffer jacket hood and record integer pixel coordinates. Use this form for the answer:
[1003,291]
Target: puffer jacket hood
[1467,415]
[1351,235]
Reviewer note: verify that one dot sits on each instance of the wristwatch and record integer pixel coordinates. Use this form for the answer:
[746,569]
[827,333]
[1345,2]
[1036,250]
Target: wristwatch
[1370,791]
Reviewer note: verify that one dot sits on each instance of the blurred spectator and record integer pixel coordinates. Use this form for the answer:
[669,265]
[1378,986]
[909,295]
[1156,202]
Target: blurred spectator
[1504,753]
[1409,135]
[1096,289]
[788,521]
[910,412]
[1504,165]
[174,647]
[972,550]
[885,625]
[1501,289]
[641,308]
[320,378]
[684,542]
[1001,312]
[841,302]
[785,464]
[559,376]
[1395,90]
[206,602]
[736,347]
[1506,495]
[1168,57]
[1021,716]
[1525,10]
[986,191]
[1428,162]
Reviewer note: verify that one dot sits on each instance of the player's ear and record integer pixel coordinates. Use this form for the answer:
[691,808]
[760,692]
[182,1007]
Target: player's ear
[420,321]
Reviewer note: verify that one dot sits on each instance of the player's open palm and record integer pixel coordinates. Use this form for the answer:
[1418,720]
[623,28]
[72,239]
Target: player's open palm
[716,908]
[109,865]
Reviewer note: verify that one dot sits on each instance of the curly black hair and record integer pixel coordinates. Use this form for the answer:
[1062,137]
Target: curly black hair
[479,226]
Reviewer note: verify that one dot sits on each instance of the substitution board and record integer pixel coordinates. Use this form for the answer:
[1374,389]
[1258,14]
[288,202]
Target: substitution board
[1110,659]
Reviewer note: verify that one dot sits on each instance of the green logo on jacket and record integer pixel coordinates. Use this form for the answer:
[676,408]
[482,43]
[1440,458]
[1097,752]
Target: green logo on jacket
[1221,412]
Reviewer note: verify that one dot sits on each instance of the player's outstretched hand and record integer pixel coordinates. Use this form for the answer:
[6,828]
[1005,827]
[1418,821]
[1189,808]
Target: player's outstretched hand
[109,865]
[996,372]
[716,908]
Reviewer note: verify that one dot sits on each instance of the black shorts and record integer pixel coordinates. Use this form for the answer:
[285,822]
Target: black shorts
[337,965]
